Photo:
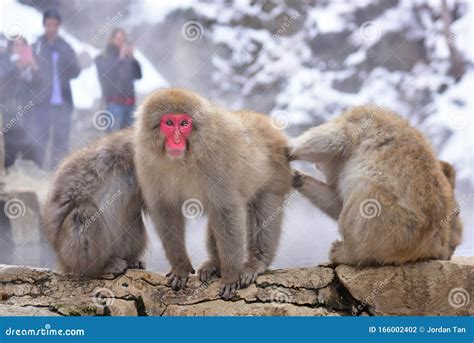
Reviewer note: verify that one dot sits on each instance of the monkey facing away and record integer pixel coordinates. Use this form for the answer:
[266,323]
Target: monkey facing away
[92,216]
[233,164]
[394,201]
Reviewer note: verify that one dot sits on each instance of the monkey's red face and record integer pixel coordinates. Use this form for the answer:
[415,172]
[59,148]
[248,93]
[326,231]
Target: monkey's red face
[176,128]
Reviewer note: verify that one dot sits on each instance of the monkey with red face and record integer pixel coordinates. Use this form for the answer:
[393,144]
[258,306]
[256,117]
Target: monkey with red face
[176,129]
[233,164]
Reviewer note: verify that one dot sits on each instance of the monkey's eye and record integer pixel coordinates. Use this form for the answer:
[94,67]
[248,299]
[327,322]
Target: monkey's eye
[184,123]
[169,122]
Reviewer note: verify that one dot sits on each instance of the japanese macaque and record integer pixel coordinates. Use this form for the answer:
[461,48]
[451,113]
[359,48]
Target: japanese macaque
[394,201]
[92,216]
[233,165]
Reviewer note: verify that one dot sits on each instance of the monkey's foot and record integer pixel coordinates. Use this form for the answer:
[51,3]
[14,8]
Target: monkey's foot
[229,290]
[208,270]
[136,264]
[177,281]
[116,266]
[249,275]
[337,254]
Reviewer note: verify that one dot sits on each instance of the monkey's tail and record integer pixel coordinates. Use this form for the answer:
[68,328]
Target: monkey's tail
[294,151]
[89,235]
[78,233]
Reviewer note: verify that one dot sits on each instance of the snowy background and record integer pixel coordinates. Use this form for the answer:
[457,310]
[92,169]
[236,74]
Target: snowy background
[302,62]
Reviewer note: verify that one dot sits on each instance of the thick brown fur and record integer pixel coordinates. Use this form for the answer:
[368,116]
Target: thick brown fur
[394,201]
[236,166]
[92,216]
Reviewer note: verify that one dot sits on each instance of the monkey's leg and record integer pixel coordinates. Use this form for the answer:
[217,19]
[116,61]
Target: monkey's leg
[124,218]
[320,194]
[136,241]
[169,223]
[264,231]
[230,241]
[319,144]
[212,266]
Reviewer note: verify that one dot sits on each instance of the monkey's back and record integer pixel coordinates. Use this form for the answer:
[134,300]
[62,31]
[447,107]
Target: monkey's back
[391,159]
[264,133]
[86,176]
[270,142]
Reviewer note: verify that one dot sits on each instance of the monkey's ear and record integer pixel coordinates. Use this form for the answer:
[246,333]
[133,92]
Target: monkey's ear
[449,171]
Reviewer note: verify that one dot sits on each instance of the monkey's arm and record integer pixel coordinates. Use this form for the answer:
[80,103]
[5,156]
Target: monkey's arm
[320,194]
[169,223]
[319,144]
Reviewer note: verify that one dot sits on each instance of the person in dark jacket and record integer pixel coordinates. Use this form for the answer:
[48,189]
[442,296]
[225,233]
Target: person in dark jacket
[57,64]
[20,83]
[117,69]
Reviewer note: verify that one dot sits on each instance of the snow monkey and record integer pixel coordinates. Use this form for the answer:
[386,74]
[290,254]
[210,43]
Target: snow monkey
[92,216]
[394,201]
[233,165]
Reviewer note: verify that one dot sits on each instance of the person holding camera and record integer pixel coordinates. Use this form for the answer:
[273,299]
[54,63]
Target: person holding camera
[118,69]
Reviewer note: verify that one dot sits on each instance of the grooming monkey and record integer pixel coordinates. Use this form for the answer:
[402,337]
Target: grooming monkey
[394,201]
[92,216]
[234,163]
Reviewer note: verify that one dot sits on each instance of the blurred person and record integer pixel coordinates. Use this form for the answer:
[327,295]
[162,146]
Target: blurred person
[19,87]
[117,69]
[4,70]
[6,240]
[57,64]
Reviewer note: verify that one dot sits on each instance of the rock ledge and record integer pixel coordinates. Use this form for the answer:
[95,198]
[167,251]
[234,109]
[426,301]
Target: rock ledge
[427,288]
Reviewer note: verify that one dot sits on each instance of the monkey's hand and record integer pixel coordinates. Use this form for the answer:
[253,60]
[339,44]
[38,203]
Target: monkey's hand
[298,179]
[177,279]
